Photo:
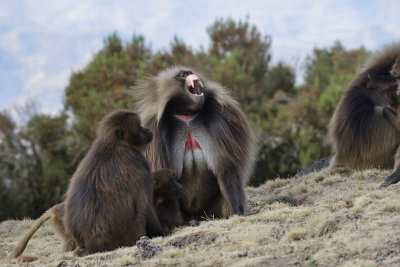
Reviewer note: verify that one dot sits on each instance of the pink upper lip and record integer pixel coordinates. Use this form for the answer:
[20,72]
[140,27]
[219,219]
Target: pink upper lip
[194,84]
[190,79]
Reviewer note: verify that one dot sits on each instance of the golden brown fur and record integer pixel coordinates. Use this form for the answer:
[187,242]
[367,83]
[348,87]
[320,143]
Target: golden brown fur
[109,200]
[362,131]
[213,184]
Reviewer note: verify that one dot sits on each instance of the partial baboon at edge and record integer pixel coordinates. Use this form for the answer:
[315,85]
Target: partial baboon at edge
[109,202]
[167,192]
[394,97]
[363,129]
[56,214]
[202,134]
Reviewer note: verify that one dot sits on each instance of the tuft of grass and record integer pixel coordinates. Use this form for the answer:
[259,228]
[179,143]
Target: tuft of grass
[318,178]
[274,184]
[172,253]
[296,234]
[392,206]
[126,260]
[334,179]
[64,257]
[361,202]
[358,175]
[303,189]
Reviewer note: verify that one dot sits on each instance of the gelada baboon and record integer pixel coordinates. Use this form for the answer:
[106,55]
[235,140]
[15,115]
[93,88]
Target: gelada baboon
[363,130]
[202,134]
[109,202]
[167,192]
[56,214]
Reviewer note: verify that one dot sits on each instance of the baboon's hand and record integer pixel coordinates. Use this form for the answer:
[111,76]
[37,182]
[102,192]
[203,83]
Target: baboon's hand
[392,179]
[238,210]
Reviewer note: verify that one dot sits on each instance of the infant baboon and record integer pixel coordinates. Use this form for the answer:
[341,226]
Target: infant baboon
[166,199]
[56,214]
[109,200]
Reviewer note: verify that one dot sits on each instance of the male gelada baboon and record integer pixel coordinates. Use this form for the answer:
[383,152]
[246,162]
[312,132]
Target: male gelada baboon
[56,214]
[109,202]
[202,134]
[364,128]
[167,192]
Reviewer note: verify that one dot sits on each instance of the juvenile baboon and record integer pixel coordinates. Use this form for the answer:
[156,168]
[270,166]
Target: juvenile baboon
[56,214]
[363,130]
[166,192]
[202,134]
[166,199]
[109,202]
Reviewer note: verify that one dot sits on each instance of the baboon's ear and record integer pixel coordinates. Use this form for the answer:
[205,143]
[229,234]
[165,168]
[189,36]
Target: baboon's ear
[119,133]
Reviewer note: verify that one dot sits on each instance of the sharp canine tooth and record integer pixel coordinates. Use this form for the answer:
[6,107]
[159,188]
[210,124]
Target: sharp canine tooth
[191,81]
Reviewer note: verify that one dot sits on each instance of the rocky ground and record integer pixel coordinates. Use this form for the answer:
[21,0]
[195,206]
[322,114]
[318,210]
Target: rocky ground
[325,218]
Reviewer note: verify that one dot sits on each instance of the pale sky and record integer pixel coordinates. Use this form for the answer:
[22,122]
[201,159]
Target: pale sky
[42,42]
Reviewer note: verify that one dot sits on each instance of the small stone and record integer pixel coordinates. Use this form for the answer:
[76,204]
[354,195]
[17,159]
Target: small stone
[242,254]
[194,223]
[147,248]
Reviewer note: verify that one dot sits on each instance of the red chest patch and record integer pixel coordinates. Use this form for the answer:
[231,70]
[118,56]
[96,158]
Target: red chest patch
[190,143]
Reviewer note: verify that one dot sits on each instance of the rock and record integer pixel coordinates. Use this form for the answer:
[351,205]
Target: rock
[194,223]
[315,166]
[147,248]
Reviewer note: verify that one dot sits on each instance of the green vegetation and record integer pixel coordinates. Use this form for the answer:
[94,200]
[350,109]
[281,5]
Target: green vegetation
[37,159]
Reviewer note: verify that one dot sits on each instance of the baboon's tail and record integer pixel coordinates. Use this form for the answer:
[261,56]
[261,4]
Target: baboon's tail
[24,241]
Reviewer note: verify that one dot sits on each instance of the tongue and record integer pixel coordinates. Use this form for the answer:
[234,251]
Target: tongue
[191,143]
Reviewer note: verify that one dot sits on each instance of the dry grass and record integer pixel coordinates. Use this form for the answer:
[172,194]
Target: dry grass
[329,218]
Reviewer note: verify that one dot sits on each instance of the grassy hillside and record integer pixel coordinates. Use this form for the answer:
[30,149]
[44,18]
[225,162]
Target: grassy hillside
[323,218]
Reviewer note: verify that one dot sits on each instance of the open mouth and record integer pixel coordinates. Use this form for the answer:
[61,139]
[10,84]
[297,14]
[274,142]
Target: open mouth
[194,85]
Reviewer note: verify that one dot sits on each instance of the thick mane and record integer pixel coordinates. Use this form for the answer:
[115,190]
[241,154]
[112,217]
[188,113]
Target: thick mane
[151,95]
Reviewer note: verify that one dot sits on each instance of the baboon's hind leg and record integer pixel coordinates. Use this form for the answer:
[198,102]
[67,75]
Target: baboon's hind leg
[395,176]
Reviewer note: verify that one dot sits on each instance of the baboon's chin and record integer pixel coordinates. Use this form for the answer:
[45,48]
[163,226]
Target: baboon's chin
[185,105]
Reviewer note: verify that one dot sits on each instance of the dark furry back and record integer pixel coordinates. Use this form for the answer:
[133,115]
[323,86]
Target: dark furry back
[361,135]
[109,201]
[110,181]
